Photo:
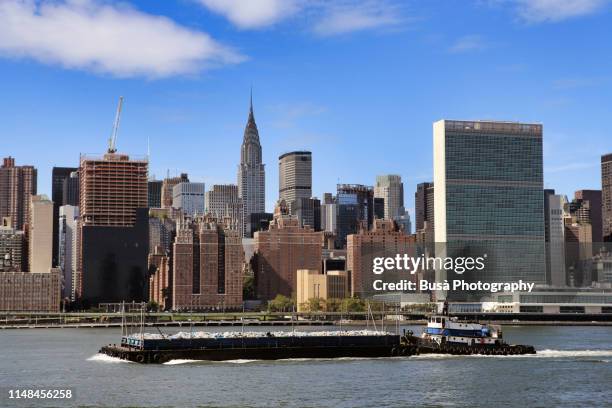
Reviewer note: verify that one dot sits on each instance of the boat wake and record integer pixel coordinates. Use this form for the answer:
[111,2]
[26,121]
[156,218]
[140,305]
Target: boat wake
[186,361]
[547,353]
[106,359]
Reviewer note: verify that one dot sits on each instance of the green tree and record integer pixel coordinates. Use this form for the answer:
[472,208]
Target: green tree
[353,305]
[315,304]
[333,305]
[280,304]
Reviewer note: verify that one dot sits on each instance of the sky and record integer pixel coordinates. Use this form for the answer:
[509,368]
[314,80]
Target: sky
[357,82]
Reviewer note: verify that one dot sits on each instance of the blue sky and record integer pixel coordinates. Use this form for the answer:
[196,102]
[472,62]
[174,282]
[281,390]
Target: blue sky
[357,82]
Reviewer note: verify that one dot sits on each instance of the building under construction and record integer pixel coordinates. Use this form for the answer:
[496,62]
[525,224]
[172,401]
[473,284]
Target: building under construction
[113,204]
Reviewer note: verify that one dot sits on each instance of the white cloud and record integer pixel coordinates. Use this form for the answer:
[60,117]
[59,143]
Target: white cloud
[537,11]
[356,16]
[325,17]
[468,43]
[119,40]
[253,13]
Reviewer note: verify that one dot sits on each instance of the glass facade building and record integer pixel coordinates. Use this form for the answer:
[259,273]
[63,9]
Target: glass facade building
[489,199]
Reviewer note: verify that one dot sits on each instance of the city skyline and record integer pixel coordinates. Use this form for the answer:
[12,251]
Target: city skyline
[434,69]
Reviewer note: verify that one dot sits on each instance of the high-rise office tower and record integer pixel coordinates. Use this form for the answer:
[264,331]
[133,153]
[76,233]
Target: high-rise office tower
[554,236]
[155,193]
[606,196]
[295,176]
[222,201]
[17,184]
[58,176]
[207,265]
[355,210]
[67,249]
[251,173]
[70,189]
[586,207]
[114,228]
[391,189]
[307,211]
[168,186]
[489,199]
[424,206]
[280,251]
[189,198]
[41,234]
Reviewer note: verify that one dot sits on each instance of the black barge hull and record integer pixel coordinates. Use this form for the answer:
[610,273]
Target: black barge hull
[385,346]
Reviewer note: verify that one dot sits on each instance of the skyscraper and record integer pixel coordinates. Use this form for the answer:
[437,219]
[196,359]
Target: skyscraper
[167,186]
[606,196]
[41,234]
[67,249]
[58,177]
[189,197]
[489,199]
[70,189]
[207,265]
[155,193]
[114,228]
[222,201]
[251,173]
[586,206]
[280,251]
[554,233]
[391,189]
[384,240]
[294,176]
[17,184]
[355,210]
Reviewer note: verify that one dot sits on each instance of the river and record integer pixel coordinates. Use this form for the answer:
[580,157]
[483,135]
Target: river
[573,367]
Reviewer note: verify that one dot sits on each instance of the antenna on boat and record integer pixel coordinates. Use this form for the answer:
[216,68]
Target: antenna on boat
[123,329]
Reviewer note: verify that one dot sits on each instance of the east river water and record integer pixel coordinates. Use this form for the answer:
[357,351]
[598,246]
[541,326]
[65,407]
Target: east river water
[573,368]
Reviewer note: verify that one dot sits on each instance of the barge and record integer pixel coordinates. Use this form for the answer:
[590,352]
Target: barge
[153,348]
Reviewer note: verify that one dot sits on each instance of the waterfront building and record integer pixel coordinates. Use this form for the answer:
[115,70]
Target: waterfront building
[554,233]
[488,199]
[384,240]
[606,196]
[280,251]
[12,244]
[312,284]
[58,177]
[160,282]
[155,193]
[67,249]
[189,197]
[40,234]
[294,176]
[114,228]
[602,268]
[31,291]
[222,201]
[167,188]
[251,173]
[17,184]
[552,300]
[207,265]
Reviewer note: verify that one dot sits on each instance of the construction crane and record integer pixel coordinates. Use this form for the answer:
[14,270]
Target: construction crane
[112,140]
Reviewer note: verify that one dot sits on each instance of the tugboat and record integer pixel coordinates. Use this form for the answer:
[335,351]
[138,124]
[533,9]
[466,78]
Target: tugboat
[449,335]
